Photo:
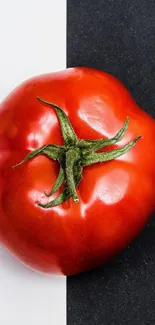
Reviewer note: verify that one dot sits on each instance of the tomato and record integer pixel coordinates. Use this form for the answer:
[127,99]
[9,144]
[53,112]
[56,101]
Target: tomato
[104,194]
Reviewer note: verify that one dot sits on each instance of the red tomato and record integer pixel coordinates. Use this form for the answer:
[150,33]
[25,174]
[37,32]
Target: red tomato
[116,198]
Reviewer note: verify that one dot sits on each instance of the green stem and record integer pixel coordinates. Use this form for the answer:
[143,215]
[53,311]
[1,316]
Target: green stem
[65,195]
[72,156]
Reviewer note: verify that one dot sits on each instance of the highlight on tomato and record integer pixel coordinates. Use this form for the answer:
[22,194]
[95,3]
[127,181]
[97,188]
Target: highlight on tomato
[76,170]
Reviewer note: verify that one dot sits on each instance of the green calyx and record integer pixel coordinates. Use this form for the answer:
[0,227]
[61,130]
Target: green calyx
[74,155]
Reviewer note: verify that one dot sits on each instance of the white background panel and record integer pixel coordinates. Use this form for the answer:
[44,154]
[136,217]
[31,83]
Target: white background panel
[32,41]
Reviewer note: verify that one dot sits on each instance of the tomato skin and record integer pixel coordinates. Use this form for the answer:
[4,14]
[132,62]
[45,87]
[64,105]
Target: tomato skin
[116,198]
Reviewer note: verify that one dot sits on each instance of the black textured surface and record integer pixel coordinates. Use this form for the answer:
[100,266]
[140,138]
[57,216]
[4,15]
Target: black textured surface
[117,36]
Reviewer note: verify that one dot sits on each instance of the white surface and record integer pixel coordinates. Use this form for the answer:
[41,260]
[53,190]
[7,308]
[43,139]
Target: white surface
[32,41]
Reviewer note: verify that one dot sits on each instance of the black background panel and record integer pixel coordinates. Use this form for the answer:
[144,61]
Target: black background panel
[117,37]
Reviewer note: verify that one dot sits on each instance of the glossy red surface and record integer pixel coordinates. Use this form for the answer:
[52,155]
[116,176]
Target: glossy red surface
[116,198]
